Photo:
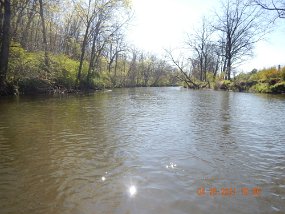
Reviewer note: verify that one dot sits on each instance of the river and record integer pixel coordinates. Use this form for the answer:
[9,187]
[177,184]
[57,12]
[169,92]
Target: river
[143,150]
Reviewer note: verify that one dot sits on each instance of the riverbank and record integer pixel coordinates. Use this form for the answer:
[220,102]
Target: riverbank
[268,80]
[28,74]
[271,80]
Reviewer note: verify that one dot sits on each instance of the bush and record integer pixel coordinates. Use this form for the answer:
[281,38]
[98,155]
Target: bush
[266,74]
[27,71]
[34,86]
[282,74]
[24,64]
[224,84]
[65,71]
[261,88]
[278,87]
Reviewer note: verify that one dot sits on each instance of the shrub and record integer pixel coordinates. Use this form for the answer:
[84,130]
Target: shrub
[282,73]
[64,70]
[23,64]
[260,88]
[278,87]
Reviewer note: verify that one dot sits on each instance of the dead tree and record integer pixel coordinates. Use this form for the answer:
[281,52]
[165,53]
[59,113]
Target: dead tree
[186,75]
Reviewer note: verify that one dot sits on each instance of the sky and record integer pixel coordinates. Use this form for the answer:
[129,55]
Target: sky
[159,24]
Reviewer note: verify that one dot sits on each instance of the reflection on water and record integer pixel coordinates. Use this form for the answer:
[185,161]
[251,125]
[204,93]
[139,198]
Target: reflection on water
[132,190]
[143,150]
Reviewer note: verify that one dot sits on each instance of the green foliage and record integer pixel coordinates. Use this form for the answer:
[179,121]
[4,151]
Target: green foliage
[27,70]
[24,64]
[261,88]
[278,87]
[27,73]
[283,74]
[210,77]
[243,77]
[65,71]
[266,74]
[34,86]
[223,84]
[98,81]
[269,80]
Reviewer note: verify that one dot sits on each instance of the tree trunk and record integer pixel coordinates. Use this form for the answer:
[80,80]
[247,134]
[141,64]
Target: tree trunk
[201,68]
[92,62]
[1,18]
[44,33]
[82,53]
[116,67]
[229,69]
[28,26]
[5,43]
[205,67]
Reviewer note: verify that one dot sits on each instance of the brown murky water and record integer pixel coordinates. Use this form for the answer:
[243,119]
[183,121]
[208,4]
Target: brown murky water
[143,150]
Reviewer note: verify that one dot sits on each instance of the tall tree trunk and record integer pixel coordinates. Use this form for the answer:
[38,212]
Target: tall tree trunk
[44,33]
[82,53]
[5,43]
[116,67]
[1,17]
[205,67]
[216,68]
[229,68]
[28,26]
[36,45]
[93,51]
[201,67]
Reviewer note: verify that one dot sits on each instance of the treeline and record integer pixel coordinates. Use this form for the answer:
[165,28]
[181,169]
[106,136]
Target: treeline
[71,45]
[53,45]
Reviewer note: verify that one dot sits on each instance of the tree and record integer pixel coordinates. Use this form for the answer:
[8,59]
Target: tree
[30,16]
[205,58]
[116,46]
[182,66]
[161,68]
[239,26]
[277,6]
[133,69]
[87,18]
[5,6]
[83,46]
[44,33]
[101,22]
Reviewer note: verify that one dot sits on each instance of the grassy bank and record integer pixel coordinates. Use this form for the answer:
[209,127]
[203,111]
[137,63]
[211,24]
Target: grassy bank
[270,80]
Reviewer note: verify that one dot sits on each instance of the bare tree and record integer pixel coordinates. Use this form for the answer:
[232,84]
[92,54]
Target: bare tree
[205,54]
[161,68]
[277,6]
[116,46]
[240,27]
[132,71]
[182,66]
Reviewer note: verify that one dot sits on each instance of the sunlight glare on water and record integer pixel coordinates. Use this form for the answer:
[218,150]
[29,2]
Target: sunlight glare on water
[132,190]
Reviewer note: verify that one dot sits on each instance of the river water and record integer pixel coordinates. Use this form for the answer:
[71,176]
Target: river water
[143,150]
